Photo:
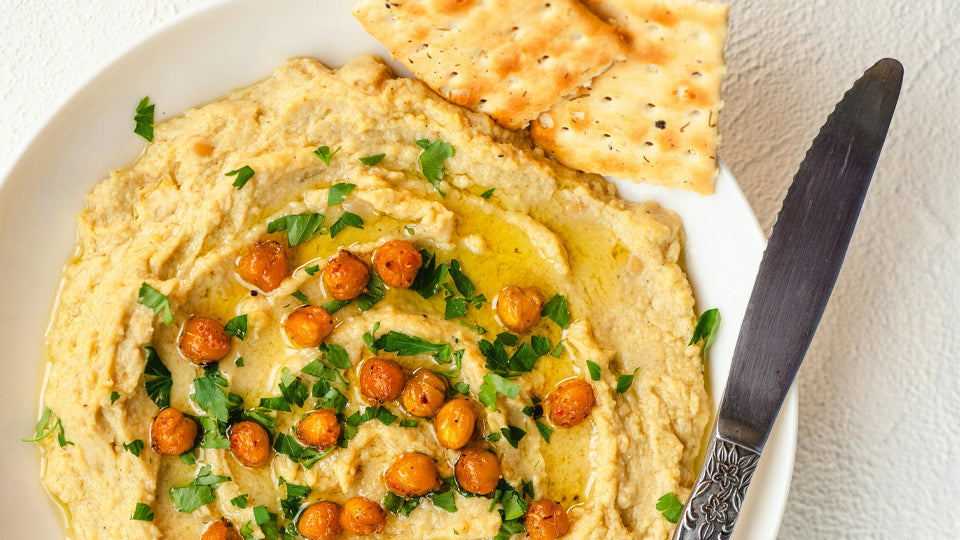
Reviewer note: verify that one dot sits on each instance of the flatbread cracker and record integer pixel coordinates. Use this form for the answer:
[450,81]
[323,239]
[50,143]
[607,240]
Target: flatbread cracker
[511,59]
[652,118]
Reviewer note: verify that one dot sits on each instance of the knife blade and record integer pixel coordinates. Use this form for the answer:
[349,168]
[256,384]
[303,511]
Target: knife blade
[796,276]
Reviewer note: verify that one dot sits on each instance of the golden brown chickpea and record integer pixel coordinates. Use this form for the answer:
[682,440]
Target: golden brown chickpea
[250,443]
[220,530]
[413,475]
[424,393]
[320,521]
[546,520]
[477,470]
[519,309]
[397,263]
[307,326]
[345,276]
[361,516]
[381,380]
[172,433]
[455,423]
[571,403]
[203,340]
[319,429]
[265,265]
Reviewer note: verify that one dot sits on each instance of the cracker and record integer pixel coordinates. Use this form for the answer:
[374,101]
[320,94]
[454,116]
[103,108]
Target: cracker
[652,118]
[511,59]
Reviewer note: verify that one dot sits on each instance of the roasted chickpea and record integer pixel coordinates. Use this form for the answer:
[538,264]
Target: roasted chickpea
[307,326]
[397,263]
[172,433]
[320,521]
[361,516]
[571,403]
[265,265]
[413,475]
[220,530]
[546,520]
[455,423]
[319,429]
[250,443]
[477,470]
[519,309]
[203,340]
[424,393]
[345,276]
[381,380]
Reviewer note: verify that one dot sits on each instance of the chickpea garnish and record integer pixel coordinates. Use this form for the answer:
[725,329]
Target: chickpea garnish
[204,340]
[319,429]
[250,443]
[455,423]
[265,265]
[519,309]
[220,530]
[413,475]
[546,520]
[381,380]
[345,276]
[397,263]
[361,516]
[172,433]
[320,521]
[424,393]
[307,326]
[571,403]
[477,470]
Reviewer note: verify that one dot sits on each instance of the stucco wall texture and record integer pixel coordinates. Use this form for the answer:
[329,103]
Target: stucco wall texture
[880,388]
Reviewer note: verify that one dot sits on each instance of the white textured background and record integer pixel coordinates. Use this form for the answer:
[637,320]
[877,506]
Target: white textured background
[880,389]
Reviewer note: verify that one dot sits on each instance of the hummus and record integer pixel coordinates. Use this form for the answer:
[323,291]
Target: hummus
[175,221]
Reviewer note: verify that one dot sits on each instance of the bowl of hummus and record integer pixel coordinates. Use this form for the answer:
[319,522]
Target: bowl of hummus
[332,304]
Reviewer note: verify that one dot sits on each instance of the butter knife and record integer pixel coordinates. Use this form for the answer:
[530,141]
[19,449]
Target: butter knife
[796,275]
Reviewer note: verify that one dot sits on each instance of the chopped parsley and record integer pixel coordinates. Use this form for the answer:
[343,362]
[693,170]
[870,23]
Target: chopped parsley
[243,174]
[670,507]
[513,434]
[143,118]
[288,446]
[240,501]
[594,369]
[197,493]
[311,270]
[157,378]
[325,154]
[44,430]
[407,422]
[707,327]
[494,384]
[369,338]
[372,160]
[558,350]
[456,308]
[212,436]
[278,403]
[188,458]
[237,327]
[409,230]
[295,496]
[407,345]
[523,358]
[556,309]
[544,430]
[300,296]
[380,413]
[445,501]
[334,306]
[486,194]
[463,283]
[299,227]
[142,512]
[337,193]
[267,522]
[372,295]
[156,301]
[512,508]
[431,161]
[292,389]
[396,504]
[134,447]
[430,276]
[239,361]
[338,357]
[114,396]
[262,416]
[345,220]
[625,381]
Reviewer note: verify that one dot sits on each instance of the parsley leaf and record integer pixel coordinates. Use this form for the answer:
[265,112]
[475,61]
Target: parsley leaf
[243,174]
[670,507]
[430,276]
[372,160]
[156,301]
[300,296]
[455,308]
[369,338]
[41,431]
[157,378]
[143,118]
[556,309]
[346,219]
[288,446]
[463,283]
[407,345]
[114,396]
[431,161]
[513,434]
[278,403]
[134,447]
[188,458]
[594,369]
[337,193]
[142,513]
[544,430]
[295,496]
[486,194]
[292,388]
[262,415]
[212,436]
[325,154]
[299,227]
[208,394]
[237,327]
[267,522]
[445,501]
[625,381]
[494,384]
[396,504]
[406,422]
[338,357]
[707,327]
[239,361]
[372,295]
[311,270]
[334,306]
[197,493]
[240,501]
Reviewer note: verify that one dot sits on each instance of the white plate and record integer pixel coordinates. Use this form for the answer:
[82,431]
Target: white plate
[195,59]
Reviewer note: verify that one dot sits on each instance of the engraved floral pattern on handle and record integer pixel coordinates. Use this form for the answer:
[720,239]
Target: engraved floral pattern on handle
[715,504]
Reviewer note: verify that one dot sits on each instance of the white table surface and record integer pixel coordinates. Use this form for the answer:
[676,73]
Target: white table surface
[880,387]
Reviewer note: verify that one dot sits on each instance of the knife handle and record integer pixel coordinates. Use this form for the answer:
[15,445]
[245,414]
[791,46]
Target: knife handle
[717,496]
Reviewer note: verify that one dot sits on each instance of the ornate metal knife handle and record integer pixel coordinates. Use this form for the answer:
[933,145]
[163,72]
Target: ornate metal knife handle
[717,496]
